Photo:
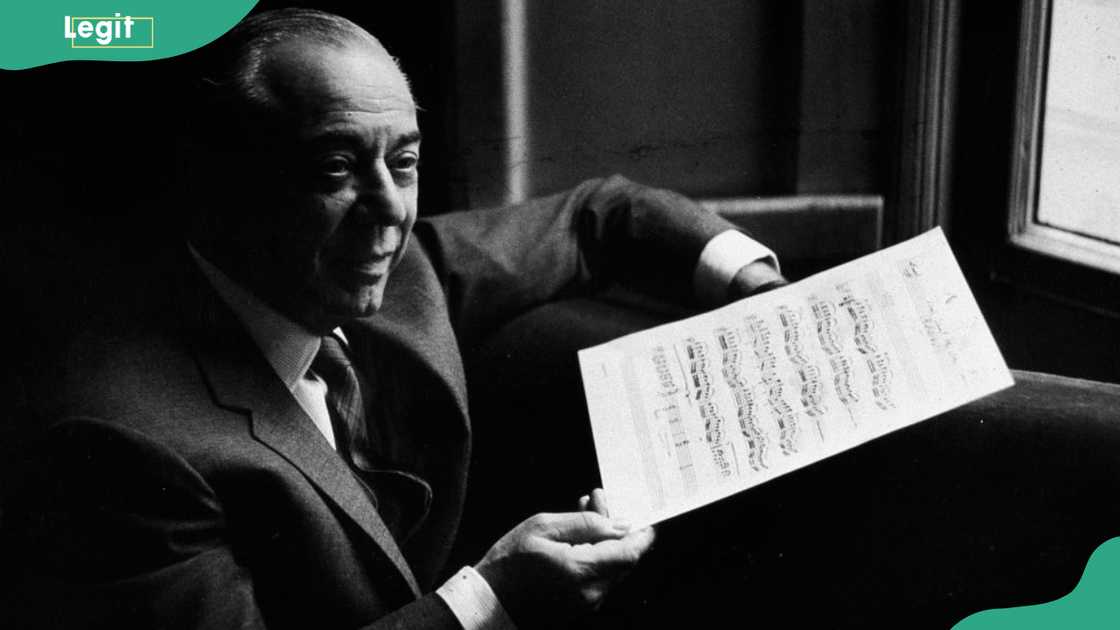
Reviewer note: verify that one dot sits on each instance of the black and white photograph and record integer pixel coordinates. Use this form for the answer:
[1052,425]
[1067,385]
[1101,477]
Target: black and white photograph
[496,314]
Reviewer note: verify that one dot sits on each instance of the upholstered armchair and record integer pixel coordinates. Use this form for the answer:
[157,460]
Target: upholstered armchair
[994,504]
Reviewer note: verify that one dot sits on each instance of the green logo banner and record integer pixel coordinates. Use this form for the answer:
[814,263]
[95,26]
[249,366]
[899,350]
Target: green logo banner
[48,31]
[1093,603]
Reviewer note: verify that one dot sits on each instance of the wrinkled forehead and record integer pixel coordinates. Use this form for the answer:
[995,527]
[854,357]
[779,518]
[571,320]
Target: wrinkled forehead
[307,78]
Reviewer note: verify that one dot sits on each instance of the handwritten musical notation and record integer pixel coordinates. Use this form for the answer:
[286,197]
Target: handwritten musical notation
[693,411]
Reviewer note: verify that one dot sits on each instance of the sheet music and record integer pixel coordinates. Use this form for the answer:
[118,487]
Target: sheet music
[699,409]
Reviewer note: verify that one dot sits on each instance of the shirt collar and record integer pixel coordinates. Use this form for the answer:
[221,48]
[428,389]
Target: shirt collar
[288,347]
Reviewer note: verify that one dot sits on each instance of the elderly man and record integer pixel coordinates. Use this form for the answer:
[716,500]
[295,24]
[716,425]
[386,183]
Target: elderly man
[278,436]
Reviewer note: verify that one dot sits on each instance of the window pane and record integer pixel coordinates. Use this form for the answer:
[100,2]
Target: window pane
[1079,184]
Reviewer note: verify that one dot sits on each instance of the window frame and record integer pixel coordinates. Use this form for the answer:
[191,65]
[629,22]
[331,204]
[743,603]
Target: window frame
[1018,264]
[1024,231]
[919,188]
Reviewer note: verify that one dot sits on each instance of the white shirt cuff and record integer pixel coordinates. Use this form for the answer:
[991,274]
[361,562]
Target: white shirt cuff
[721,259]
[473,602]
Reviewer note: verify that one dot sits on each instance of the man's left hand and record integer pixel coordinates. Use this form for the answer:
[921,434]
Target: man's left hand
[754,278]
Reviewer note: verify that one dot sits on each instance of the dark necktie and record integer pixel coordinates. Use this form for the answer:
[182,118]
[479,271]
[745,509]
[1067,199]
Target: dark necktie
[344,400]
[401,498]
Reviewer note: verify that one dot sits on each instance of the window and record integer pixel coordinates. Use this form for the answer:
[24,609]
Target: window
[1066,171]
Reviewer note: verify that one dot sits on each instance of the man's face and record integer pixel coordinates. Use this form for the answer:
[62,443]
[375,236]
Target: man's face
[338,184]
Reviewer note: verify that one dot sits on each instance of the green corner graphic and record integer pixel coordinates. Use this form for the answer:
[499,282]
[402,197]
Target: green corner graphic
[41,32]
[1093,603]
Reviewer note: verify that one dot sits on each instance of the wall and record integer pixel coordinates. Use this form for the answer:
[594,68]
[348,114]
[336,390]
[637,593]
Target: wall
[720,98]
[700,97]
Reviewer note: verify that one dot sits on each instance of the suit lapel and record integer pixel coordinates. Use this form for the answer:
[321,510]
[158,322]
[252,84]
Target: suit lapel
[414,319]
[419,404]
[242,380]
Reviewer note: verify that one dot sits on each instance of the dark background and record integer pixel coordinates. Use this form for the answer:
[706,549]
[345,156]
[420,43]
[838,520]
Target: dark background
[718,99]
[89,161]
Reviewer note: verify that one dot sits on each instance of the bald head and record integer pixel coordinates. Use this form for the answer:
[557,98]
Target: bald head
[300,78]
[251,73]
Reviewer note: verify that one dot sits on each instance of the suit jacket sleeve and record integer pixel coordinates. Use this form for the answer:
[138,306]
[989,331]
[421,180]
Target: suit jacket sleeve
[499,262]
[120,532]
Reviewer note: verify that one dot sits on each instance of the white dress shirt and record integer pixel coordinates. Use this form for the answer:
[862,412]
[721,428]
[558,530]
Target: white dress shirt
[290,348]
[721,259]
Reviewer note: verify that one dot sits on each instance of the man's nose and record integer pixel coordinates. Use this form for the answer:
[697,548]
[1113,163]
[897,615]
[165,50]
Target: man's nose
[380,199]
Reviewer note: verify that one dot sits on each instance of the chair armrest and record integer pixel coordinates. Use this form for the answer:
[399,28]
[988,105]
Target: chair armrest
[997,503]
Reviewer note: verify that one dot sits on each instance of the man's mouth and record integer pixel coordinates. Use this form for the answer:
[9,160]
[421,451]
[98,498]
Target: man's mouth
[367,270]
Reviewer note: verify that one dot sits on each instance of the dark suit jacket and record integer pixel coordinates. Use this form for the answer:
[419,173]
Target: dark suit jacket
[183,486]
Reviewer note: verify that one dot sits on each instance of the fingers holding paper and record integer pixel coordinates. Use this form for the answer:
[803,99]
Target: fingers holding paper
[556,566]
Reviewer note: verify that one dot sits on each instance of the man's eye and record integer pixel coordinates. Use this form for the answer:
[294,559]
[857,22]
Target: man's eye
[335,166]
[405,163]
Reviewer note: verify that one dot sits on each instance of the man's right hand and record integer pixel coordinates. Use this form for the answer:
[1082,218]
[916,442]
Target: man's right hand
[557,566]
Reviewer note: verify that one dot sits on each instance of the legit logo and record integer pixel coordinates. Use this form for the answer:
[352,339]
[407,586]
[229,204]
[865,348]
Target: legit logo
[111,32]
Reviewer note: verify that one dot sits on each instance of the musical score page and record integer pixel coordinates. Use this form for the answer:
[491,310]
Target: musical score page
[693,411]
